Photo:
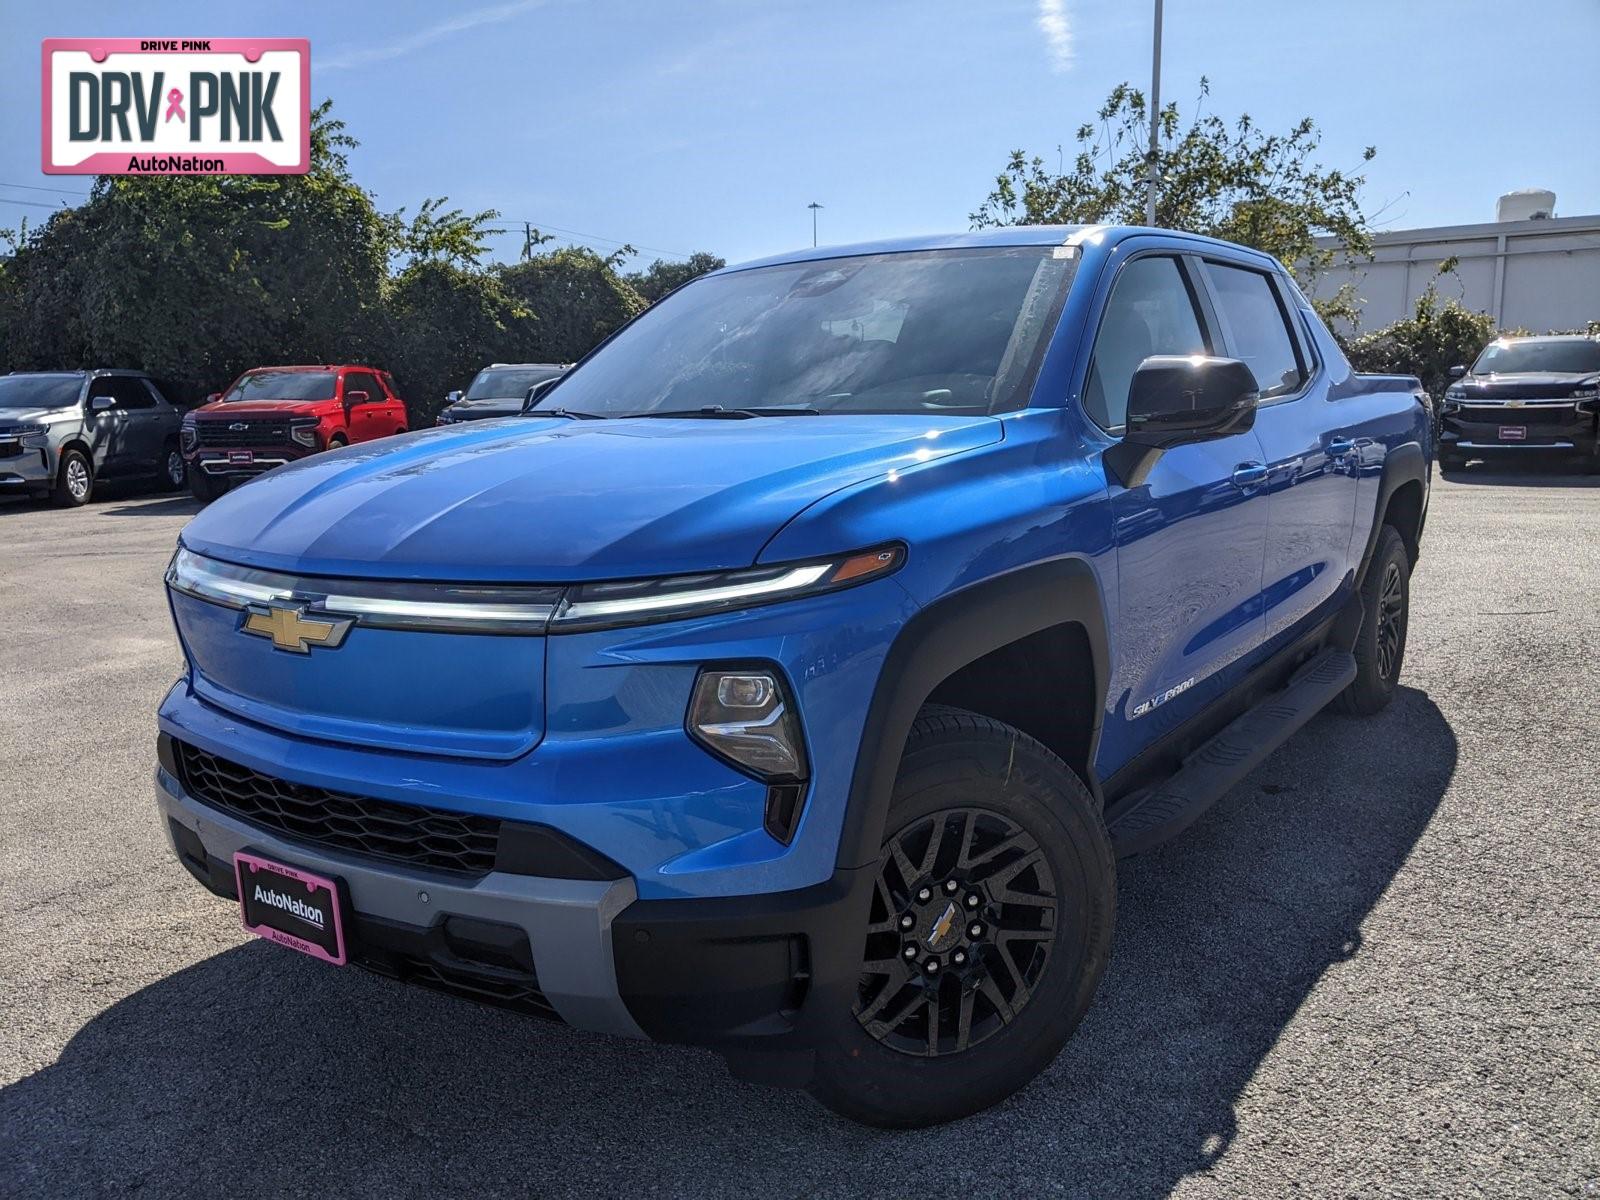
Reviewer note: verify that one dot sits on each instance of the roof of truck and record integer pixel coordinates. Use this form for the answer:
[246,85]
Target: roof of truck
[1004,235]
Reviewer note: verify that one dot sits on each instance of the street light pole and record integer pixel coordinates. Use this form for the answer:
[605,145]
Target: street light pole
[813,206]
[1155,123]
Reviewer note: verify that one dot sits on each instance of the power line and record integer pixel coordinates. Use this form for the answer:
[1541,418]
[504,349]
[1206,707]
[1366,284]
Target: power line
[32,203]
[33,187]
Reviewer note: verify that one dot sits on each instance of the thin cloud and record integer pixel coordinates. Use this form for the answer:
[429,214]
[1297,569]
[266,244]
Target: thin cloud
[492,15]
[1057,30]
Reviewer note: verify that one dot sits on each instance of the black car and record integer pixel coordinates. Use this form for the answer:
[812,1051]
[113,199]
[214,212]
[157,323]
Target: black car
[500,390]
[1525,394]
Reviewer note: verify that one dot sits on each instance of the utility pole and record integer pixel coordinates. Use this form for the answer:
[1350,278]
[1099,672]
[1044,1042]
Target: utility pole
[1155,123]
[813,206]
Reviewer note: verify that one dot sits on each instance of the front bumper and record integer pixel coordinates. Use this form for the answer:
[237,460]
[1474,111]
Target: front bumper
[24,466]
[757,978]
[229,464]
[1564,430]
[403,915]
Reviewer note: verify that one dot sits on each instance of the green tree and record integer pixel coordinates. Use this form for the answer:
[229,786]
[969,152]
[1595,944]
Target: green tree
[1434,338]
[661,276]
[1233,181]
[577,296]
[444,322]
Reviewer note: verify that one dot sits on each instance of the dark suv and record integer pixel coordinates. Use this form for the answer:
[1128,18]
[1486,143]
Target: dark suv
[1525,394]
[63,431]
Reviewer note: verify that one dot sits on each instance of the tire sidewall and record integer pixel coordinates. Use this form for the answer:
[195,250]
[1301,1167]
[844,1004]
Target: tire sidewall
[63,494]
[1020,780]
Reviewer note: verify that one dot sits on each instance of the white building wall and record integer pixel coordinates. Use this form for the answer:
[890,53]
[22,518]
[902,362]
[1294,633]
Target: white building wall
[1539,275]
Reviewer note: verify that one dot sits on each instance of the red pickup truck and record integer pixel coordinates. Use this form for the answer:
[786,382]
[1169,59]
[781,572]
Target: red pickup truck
[273,415]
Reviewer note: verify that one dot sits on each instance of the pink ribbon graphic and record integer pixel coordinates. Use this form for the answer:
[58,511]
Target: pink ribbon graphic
[175,105]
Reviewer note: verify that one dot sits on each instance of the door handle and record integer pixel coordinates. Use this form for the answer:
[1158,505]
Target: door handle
[1339,447]
[1249,475]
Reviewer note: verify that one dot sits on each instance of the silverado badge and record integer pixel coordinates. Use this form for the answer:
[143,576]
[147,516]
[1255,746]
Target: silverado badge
[291,629]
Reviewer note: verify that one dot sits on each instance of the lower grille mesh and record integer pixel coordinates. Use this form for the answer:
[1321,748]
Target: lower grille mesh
[403,833]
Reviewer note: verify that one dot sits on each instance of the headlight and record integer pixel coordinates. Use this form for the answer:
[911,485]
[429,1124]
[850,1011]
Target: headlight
[1591,392]
[637,602]
[188,435]
[26,430]
[304,431]
[745,717]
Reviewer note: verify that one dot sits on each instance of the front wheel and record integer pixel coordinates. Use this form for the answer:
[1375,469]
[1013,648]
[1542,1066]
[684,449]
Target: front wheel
[989,930]
[74,480]
[205,488]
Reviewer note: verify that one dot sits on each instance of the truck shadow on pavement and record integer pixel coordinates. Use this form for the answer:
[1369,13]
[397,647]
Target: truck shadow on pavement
[261,1073]
[1529,474]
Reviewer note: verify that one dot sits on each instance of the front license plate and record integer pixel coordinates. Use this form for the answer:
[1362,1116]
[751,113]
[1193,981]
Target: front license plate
[1513,433]
[242,457]
[291,907]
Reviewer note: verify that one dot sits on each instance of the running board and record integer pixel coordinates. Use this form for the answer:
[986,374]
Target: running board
[1148,818]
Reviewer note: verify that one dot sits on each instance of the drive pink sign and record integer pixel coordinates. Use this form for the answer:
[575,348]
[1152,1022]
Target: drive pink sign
[148,106]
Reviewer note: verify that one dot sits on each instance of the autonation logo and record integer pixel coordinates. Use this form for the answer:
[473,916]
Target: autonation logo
[309,913]
[208,106]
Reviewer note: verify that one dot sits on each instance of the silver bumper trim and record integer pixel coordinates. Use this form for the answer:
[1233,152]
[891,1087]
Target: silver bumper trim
[1511,445]
[568,921]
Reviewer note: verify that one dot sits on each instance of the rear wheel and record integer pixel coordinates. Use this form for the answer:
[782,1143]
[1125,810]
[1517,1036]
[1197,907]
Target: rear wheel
[989,930]
[1381,645]
[337,440]
[74,480]
[174,471]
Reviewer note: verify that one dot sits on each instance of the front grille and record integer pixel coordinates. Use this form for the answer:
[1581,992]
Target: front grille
[416,836]
[217,433]
[1501,414]
[9,447]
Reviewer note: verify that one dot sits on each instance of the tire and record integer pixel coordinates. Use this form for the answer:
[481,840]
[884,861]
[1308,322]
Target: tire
[1452,464]
[205,488]
[173,471]
[990,791]
[337,440]
[1380,648]
[74,485]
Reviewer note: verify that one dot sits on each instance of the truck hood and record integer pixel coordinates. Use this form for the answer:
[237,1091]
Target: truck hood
[1526,384]
[37,416]
[554,500]
[249,408]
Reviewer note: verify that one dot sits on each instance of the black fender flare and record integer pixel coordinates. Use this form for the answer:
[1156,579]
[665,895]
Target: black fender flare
[1406,463]
[955,630]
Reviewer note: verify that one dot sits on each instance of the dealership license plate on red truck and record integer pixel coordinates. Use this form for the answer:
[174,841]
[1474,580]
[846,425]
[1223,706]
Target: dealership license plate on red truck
[291,907]
[242,457]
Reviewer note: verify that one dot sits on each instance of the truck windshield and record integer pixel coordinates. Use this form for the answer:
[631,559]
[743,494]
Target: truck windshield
[282,385]
[40,391]
[504,383]
[951,331]
[1579,356]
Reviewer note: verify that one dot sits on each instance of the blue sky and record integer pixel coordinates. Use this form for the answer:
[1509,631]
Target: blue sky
[681,125]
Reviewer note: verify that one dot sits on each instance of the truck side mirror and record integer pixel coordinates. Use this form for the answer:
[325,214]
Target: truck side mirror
[100,404]
[213,397]
[1176,399]
[535,393]
[452,397]
[359,396]
[1457,371]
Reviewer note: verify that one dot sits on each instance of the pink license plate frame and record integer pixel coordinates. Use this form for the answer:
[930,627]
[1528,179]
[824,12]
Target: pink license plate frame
[282,899]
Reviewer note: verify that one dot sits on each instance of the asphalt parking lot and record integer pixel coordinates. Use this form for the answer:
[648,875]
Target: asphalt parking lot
[1373,969]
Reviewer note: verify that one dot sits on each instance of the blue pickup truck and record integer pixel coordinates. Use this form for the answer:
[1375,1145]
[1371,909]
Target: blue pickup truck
[790,679]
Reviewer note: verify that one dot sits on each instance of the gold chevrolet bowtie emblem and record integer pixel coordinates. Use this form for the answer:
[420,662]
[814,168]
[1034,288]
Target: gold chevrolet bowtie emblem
[291,629]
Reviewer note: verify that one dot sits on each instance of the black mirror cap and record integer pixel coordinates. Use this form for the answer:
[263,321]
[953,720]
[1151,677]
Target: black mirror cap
[1457,371]
[1177,398]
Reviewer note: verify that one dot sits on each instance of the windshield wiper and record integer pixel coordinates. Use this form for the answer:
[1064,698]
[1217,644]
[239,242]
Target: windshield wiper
[716,412]
[570,413]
